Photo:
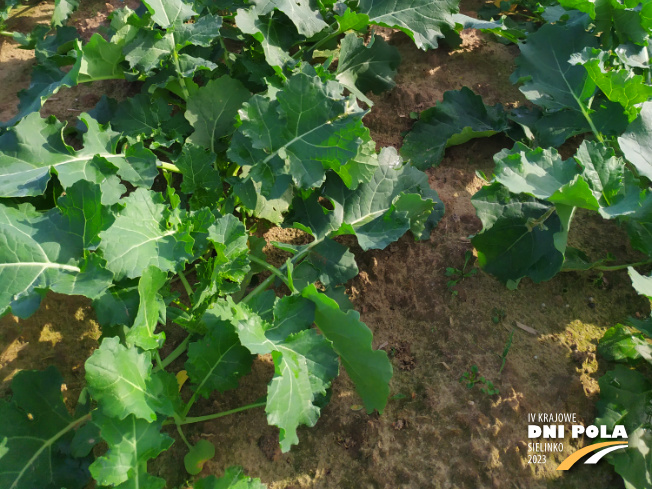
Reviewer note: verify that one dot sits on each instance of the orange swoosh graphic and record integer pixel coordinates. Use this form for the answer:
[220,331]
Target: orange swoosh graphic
[568,463]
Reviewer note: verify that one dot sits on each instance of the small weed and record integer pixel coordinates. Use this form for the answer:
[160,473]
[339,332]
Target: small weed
[471,378]
[460,274]
[503,357]
[497,315]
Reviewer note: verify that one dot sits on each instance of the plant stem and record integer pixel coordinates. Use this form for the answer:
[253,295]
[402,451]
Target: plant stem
[268,281]
[6,33]
[182,81]
[271,268]
[227,61]
[318,44]
[176,353]
[606,268]
[208,417]
[168,166]
[186,285]
[178,422]
[609,268]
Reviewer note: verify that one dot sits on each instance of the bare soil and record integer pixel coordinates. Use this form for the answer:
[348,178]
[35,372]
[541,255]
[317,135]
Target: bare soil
[435,433]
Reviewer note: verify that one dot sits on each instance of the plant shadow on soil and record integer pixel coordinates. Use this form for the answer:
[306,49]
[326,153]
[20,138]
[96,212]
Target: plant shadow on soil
[435,433]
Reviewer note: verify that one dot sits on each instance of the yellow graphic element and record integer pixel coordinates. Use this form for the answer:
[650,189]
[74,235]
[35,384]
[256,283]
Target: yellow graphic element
[182,376]
[570,461]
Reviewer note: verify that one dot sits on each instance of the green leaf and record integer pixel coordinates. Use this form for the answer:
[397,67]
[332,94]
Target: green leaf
[335,263]
[549,79]
[304,366]
[642,284]
[370,370]
[145,233]
[369,68]
[233,478]
[293,314]
[198,455]
[519,235]
[34,149]
[212,109]
[101,60]
[275,33]
[36,435]
[605,174]
[203,32]
[150,311]
[425,21]
[619,85]
[625,397]
[132,442]
[639,227]
[117,306]
[217,360]
[303,14]
[460,117]
[308,128]
[169,12]
[63,9]
[148,49]
[230,265]
[120,379]
[377,211]
[44,251]
[636,142]
[619,344]
[199,174]
[81,208]
[543,174]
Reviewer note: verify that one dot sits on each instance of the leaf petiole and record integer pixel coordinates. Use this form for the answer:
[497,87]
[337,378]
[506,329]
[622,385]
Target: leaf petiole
[208,417]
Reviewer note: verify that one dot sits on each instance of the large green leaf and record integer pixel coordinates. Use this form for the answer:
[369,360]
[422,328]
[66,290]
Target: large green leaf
[132,442]
[304,366]
[120,379]
[605,173]
[636,142]
[309,127]
[396,199]
[625,397]
[370,370]
[425,21]
[549,79]
[34,149]
[620,344]
[369,68]
[62,10]
[217,360]
[101,60]
[302,13]
[521,235]
[460,117]
[619,85]
[233,478]
[169,12]
[145,233]
[41,251]
[211,110]
[543,174]
[36,431]
[275,33]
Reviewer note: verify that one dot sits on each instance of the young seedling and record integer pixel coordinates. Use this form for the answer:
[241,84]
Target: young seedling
[472,377]
[460,274]
[497,315]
